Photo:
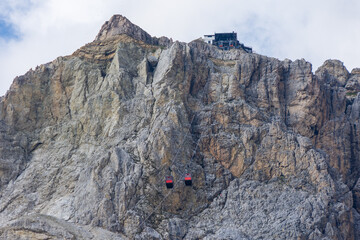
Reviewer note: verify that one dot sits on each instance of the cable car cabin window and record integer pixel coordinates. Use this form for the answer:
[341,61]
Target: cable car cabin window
[169,181]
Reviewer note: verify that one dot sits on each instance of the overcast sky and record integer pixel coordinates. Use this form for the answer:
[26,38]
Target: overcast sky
[34,32]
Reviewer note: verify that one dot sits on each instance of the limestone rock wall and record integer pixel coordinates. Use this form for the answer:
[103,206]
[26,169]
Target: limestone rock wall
[86,141]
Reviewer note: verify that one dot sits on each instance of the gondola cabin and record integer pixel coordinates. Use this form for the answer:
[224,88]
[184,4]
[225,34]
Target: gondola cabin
[169,181]
[188,180]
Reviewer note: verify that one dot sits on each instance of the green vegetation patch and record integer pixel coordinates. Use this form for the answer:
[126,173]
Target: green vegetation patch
[352,94]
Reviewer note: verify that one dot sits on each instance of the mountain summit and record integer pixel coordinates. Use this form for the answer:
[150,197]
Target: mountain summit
[119,24]
[88,140]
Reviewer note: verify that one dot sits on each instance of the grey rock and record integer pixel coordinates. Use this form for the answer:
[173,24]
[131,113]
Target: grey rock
[37,226]
[334,72]
[356,193]
[149,233]
[357,223]
[119,24]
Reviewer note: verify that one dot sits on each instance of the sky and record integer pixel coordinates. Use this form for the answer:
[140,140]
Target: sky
[34,32]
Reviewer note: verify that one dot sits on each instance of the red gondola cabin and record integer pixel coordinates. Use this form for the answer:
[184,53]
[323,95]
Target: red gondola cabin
[188,181]
[169,181]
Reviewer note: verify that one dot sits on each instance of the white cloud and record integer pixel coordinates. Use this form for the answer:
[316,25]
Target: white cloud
[314,30]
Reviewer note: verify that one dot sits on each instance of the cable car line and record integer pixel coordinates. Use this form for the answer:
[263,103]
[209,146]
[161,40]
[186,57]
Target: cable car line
[167,195]
[180,179]
[171,162]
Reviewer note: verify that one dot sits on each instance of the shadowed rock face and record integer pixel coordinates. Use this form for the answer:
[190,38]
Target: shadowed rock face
[87,140]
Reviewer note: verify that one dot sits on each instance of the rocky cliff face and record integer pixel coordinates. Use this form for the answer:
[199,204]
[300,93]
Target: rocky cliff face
[87,140]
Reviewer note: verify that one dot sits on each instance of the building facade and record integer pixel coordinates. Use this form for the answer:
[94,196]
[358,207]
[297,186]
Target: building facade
[226,41]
